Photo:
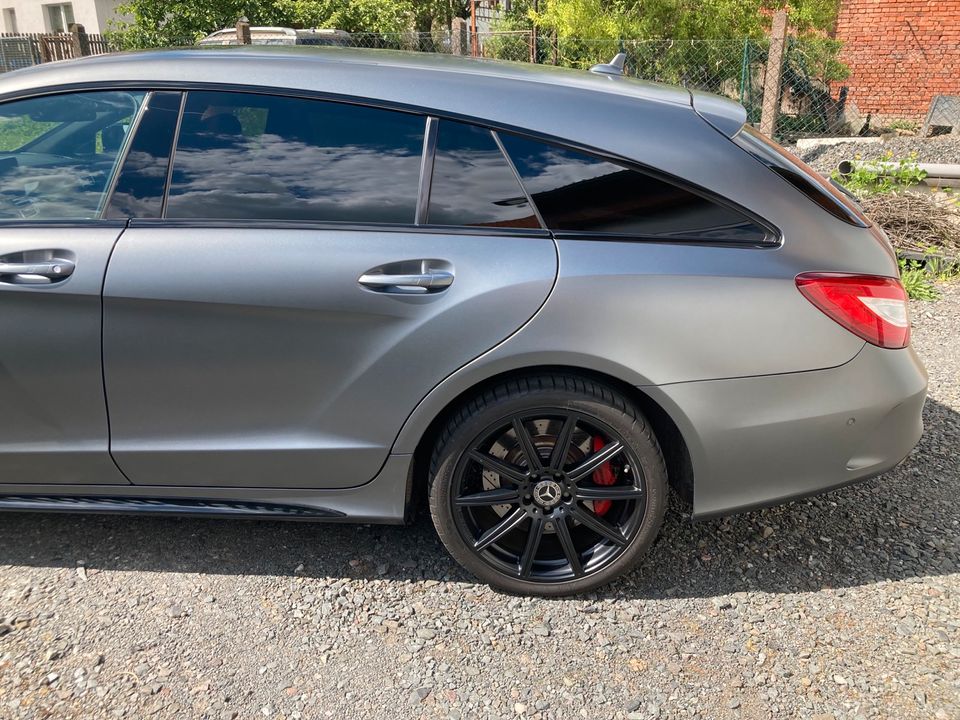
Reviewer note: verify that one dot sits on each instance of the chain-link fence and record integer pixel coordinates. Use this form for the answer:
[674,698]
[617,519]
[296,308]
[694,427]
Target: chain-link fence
[822,88]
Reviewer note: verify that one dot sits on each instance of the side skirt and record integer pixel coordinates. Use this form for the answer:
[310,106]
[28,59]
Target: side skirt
[382,500]
[160,506]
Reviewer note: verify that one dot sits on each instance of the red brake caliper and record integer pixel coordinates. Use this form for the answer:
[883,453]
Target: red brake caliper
[603,475]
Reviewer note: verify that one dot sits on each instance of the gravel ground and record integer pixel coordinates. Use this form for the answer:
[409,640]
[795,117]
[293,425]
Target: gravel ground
[940,149]
[844,606]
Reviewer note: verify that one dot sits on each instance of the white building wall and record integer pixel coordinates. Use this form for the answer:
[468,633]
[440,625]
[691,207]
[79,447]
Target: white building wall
[32,15]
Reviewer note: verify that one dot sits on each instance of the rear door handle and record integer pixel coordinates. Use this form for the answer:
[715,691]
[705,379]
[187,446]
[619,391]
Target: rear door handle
[55,269]
[431,280]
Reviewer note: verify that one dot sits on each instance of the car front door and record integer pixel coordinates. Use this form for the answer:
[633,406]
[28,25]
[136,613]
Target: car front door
[294,301]
[58,155]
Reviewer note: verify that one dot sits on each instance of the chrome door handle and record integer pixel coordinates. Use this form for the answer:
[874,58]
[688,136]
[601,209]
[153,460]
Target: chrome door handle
[54,269]
[431,280]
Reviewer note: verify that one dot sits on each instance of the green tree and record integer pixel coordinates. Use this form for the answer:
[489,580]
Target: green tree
[156,23]
[673,19]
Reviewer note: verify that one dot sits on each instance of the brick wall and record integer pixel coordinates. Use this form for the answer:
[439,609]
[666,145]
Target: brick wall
[901,53]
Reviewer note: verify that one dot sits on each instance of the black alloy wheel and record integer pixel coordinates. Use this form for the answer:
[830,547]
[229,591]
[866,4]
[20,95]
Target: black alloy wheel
[559,490]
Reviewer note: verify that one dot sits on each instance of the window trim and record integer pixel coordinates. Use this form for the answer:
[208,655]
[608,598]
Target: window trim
[121,160]
[516,174]
[333,226]
[775,235]
[131,136]
[431,132]
[173,155]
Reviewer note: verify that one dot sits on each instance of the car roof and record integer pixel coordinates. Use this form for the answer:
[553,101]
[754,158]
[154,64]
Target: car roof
[223,63]
[620,115]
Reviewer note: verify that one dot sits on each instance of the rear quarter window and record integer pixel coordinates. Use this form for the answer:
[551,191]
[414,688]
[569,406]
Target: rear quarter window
[580,193]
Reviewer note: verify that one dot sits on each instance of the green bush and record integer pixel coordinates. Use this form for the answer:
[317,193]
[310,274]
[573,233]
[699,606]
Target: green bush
[916,281]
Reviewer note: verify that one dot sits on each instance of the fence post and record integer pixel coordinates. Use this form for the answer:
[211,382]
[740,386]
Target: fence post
[243,31]
[79,39]
[771,80]
[44,45]
[458,39]
[474,40]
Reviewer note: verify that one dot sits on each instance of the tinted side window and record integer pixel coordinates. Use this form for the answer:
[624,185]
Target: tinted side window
[58,153]
[249,156]
[472,182]
[580,193]
[140,184]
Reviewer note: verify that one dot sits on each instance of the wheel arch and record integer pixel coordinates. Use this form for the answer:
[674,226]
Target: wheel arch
[673,442]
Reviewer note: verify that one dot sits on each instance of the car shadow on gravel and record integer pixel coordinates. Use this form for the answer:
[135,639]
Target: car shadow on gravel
[899,526]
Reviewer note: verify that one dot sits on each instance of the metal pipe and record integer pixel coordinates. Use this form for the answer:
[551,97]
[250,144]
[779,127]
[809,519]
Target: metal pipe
[934,171]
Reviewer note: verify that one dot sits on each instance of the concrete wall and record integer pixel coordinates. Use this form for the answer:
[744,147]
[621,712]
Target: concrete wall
[32,15]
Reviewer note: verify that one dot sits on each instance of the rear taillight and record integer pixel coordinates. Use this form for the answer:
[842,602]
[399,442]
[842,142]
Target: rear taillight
[873,307]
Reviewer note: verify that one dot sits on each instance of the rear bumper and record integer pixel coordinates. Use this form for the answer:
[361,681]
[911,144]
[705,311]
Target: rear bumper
[765,440]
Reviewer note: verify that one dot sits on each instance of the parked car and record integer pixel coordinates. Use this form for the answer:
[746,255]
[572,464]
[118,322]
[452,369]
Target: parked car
[280,36]
[328,284]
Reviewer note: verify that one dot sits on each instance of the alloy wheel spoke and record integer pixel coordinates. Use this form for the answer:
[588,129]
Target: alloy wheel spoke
[526,444]
[598,525]
[498,531]
[569,549]
[559,454]
[504,470]
[592,491]
[497,496]
[533,544]
[605,454]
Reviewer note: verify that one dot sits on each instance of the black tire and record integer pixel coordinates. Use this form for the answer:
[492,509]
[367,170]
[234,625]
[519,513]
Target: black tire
[545,494]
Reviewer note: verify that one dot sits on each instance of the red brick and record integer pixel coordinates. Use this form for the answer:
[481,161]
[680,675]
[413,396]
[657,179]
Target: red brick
[900,53]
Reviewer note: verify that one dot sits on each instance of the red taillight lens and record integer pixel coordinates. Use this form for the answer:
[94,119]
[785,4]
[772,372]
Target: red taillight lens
[873,307]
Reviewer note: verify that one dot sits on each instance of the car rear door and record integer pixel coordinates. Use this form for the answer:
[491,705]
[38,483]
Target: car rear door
[291,302]
[58,155]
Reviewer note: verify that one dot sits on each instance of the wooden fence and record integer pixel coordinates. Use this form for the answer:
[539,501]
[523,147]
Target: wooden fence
[18,50]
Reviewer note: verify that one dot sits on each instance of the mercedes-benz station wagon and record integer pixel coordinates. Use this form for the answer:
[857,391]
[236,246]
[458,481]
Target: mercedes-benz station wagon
[339,285]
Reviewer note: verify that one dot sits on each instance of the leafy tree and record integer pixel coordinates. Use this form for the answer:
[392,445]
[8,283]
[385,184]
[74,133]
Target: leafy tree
[158,23]
[155,23]
[374,16]
[669,19]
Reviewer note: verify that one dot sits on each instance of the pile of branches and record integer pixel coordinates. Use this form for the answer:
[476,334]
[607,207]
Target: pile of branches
[916,223]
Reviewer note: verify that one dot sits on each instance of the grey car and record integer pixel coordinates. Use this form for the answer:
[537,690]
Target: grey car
[336,285]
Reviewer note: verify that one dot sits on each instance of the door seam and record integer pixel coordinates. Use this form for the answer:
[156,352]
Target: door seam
[103,365]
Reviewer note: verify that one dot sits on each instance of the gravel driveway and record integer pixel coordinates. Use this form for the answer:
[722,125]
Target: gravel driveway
[940,149]
[844,606]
